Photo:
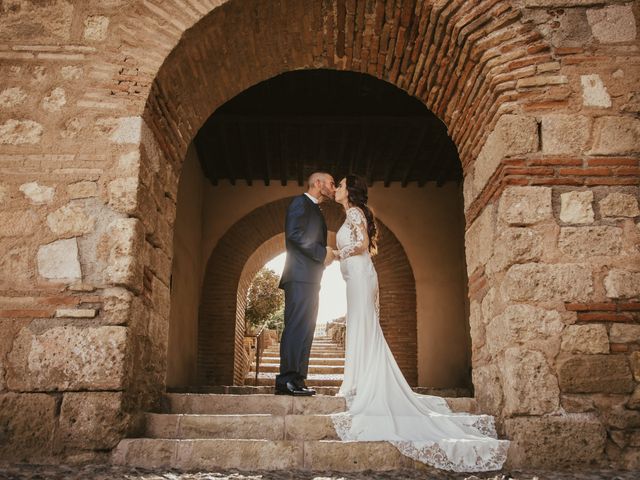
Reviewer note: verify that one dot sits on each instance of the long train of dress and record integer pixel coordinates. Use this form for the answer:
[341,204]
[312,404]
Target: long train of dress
[380,403]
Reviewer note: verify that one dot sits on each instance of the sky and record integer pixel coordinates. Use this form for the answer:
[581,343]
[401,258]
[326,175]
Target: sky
[333,291]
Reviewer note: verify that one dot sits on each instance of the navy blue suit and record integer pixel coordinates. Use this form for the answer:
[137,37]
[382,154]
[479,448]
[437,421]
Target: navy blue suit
[306,242]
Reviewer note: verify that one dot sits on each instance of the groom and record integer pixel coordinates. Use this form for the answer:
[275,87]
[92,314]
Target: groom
[307,256]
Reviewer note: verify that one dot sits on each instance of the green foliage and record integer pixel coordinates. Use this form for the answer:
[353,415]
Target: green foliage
[265,301]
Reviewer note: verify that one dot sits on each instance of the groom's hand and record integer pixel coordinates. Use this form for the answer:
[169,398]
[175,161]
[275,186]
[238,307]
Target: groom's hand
[329,258]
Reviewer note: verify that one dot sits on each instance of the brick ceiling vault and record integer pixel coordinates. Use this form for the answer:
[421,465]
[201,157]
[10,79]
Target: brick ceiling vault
[221,316]
[459,58]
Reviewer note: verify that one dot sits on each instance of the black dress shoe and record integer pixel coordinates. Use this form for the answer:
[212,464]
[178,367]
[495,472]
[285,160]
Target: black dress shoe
[302,386]
[291,389]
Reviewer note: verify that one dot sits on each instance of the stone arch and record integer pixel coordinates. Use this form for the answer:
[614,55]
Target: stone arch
[461,59]
[245,247]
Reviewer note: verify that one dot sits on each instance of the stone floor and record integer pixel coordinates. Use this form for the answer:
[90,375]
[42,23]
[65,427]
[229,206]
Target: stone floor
[108,472]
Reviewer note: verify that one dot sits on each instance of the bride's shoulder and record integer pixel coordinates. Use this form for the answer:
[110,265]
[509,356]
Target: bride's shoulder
[355,214]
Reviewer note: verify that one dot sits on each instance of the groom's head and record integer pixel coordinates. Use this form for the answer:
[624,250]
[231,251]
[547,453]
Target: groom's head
[321,186]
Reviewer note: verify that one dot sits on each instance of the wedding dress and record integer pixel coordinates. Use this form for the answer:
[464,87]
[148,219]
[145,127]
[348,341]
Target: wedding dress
[380,403]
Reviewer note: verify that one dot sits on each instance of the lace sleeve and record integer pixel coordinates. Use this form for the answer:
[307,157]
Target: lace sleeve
[358,238]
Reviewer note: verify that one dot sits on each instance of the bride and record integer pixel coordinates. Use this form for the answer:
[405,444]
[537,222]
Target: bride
[380,402]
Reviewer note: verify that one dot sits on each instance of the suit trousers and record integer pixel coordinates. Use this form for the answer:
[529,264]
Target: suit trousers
[300,315]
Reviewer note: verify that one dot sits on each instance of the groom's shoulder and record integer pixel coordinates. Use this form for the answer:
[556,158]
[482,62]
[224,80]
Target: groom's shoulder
[298,200]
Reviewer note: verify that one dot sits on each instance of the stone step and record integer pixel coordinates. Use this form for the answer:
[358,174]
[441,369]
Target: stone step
[241,390]
[313,355]
[313,379]
[224,404]
[276,353]
[254,427]
[245,454]
[238,404]
[275,367]
[312,361]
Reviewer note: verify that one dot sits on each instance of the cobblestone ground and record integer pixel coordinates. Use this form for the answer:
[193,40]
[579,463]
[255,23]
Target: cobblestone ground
[108,472]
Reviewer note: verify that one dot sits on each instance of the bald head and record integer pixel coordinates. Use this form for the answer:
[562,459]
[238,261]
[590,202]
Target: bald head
[321,185]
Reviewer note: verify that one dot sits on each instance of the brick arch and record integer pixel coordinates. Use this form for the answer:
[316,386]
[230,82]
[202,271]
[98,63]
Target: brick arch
[248,245]
[460,58]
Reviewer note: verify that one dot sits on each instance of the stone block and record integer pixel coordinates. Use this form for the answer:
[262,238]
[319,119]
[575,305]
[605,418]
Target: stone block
[67,358]
[529,386]
[619,205]
[10,97]
[55,100]
[18,223]
[231,404]
[622,284]
[634,399]
[479,240]
[125,238]
[225,453]
[525,205]
[145,452]
[512,135]
[262,426]
[37,194]
[34,21]
[595,374]
[542,282]
[76,312]
[623,333]
[594,93]
[309,427]
[59,260]
[577,403]
[635,365]
[575,207]
[353,456]
[515,245]
[19,132]
[82,189]
[123,194]
[488,388]
[574,440]
[613,23]
[588,339]
[27,423]
[525,325]
[127,131]
[616,136]
[95,28]
[564,134]
[318,405]
[91,420]
[587,242]
[71,220]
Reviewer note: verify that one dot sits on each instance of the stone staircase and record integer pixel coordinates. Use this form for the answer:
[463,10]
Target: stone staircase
[257,432]
[326,365]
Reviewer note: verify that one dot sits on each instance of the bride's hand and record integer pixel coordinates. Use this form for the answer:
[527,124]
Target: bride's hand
[336,254]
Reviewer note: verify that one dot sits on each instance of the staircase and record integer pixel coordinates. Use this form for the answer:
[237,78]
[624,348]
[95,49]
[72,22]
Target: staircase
[257,432]
[326,366]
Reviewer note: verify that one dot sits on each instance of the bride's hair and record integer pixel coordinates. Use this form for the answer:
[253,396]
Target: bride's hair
[358,197]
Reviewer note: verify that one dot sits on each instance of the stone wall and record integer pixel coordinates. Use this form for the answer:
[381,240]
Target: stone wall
[540,96]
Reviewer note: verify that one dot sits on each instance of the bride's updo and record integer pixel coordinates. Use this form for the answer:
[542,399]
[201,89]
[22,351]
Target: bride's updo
[358,197]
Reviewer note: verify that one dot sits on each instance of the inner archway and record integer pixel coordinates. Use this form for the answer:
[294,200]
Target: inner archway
[265,141]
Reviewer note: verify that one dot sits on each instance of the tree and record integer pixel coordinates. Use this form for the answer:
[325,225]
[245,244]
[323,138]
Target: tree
[265,301]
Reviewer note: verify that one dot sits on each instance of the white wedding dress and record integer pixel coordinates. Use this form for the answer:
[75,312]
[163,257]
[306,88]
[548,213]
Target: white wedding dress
[380,402]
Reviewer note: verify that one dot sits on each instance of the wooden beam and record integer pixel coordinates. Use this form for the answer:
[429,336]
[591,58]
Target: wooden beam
[243,140]
[284,157]
[415,157]
[433,160]
[222,134]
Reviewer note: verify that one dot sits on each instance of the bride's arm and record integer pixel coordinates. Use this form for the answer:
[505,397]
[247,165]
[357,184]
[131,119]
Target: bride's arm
[358,238]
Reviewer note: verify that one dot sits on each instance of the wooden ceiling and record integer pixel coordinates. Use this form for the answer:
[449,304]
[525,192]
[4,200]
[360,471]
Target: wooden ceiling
[302,121]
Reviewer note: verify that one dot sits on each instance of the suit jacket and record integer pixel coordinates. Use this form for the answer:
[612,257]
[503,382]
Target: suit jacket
[306,242]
